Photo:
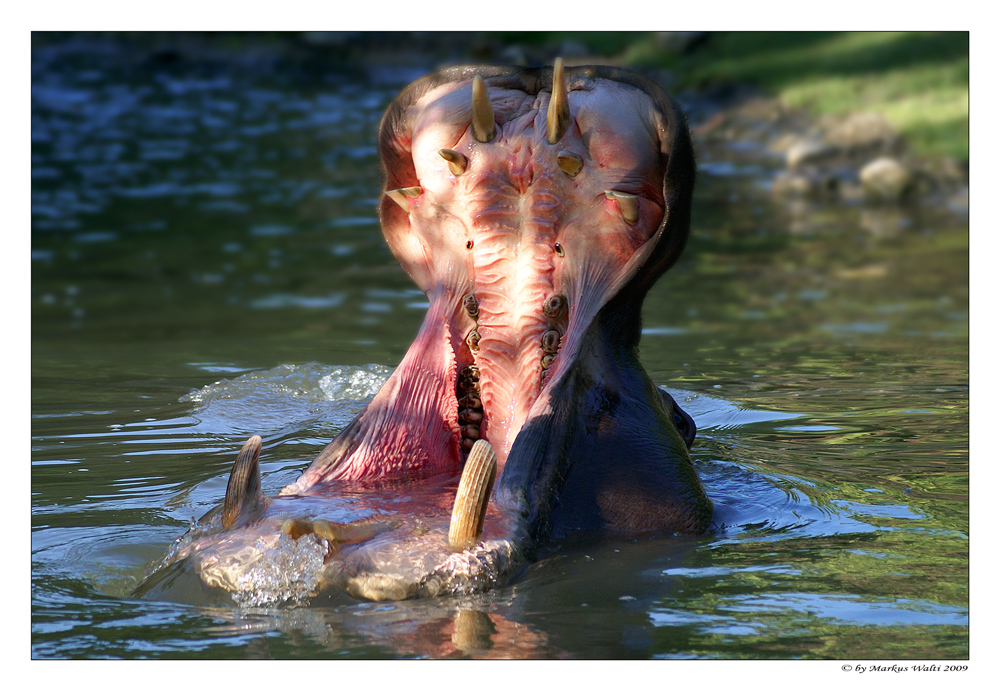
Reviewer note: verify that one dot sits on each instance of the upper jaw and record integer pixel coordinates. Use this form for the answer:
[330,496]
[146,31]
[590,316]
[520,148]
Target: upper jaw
[515,195]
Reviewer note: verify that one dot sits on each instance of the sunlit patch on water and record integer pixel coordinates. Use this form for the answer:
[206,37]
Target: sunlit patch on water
[755,503]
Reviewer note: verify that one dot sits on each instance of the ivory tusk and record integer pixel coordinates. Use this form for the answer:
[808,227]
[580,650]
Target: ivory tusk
[473,495]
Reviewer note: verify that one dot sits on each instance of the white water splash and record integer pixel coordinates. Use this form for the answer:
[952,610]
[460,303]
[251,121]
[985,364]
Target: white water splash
[286,398]
[287,571]
[311,380]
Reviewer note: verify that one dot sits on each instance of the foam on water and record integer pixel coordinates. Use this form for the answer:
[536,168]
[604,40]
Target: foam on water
[286,399]
[288,571]
[312,380]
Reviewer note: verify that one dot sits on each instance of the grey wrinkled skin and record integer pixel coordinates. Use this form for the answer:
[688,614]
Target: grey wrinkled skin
[585,441]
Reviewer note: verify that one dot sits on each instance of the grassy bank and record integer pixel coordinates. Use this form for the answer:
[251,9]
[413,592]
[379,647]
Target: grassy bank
[917,81]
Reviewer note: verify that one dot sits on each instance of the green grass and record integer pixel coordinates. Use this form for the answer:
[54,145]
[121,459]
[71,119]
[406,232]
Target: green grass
[917,81]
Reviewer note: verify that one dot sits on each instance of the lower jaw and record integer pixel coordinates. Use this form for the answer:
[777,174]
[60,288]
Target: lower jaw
[402,550]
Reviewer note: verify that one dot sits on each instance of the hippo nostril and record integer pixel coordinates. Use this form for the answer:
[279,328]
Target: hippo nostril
[472,497]
[469,244]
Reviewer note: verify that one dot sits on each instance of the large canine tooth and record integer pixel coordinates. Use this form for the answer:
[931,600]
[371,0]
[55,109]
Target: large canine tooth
[557,119]
[628,204]
[570,163]
[243,493]
[483,124]
[402,194]
[457,162]
[473,495]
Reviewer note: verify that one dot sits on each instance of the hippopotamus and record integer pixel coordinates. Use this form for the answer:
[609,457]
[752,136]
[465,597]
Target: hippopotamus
[535,207]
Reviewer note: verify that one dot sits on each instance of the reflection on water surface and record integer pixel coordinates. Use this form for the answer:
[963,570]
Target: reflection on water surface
[207,264]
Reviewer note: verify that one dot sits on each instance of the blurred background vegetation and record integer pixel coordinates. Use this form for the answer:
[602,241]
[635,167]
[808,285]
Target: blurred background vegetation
[918,81]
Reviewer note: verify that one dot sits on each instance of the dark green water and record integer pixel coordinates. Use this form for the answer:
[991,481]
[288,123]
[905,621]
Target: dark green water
[204,222]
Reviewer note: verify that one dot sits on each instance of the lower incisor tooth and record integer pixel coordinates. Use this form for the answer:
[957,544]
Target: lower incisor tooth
[296,527]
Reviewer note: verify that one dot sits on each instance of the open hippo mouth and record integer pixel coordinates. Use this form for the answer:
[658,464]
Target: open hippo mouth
[535,208]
